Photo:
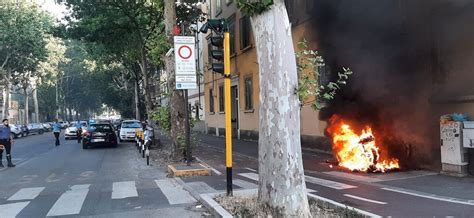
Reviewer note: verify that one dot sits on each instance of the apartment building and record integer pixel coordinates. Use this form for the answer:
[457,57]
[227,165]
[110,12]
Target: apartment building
[245,77]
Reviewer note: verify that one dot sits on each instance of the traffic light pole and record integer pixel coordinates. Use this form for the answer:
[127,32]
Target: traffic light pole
[228,127]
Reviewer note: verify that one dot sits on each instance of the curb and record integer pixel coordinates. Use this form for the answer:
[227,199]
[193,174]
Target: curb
[218,211]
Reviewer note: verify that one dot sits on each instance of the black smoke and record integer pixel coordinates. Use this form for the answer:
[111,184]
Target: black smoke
[408,57]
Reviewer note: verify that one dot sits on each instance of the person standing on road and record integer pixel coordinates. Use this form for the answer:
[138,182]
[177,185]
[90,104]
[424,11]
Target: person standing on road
[78,131]
[56,131]
[6,140]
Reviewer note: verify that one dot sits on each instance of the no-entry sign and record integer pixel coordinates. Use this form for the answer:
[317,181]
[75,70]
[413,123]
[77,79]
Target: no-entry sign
[185,62]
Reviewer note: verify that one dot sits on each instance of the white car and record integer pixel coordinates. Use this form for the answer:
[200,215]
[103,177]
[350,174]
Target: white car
[128,128]
[15,130]
[70,133]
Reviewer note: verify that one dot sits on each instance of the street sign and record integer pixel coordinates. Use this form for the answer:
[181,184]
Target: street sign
[185,60]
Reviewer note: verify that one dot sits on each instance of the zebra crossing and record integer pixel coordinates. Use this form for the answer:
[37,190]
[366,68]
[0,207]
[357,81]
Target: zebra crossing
[72,200]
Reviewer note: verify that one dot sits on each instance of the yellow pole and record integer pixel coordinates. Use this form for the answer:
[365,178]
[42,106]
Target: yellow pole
[228,126]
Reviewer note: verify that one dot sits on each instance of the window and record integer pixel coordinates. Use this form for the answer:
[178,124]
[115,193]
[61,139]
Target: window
[244,32]
[221,98]
[324,78]
[218,7]
[248,93]
[231,22]
[211,101]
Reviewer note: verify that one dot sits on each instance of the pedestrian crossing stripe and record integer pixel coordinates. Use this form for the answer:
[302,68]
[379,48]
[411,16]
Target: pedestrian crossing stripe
[26,194]
[121,190]
[174,192]
[70,203]
[12,210]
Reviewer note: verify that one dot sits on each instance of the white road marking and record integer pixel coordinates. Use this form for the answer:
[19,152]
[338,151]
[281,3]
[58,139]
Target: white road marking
[250,169]
[328,183]
[70,202]
[121,190]
[368,214]
[217,172]
[12,210]
[244,184]
[365,178]
[254,176]
[174,192]
[433,197]
[26,194]
[365,199]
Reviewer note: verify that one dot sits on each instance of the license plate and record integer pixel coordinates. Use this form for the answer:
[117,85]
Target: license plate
[98,140]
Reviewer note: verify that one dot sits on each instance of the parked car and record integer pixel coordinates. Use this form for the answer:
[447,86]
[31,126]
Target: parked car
[128,128]
[24,130]
[47,127]
[15,130]
[99,134]
[35,128]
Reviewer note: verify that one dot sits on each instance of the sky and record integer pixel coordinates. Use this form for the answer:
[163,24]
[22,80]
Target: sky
[50,6]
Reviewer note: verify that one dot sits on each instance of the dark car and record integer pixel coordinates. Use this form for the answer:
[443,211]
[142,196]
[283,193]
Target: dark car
[35,128]
[24,130]
[99,134]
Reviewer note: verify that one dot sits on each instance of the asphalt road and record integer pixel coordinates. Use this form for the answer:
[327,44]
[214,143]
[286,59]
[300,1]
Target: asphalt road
[99,182]
[396,194]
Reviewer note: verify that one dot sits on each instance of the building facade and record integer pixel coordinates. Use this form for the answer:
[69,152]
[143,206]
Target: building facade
[245,79]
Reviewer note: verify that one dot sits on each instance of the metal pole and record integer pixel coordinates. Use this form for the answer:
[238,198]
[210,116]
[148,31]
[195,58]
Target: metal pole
[186,124]
[228,127]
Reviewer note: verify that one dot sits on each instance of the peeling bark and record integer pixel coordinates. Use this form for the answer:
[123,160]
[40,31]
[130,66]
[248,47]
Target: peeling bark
[282,188]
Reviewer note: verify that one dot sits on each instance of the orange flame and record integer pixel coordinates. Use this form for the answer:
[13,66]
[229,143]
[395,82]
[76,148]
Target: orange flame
[358,152]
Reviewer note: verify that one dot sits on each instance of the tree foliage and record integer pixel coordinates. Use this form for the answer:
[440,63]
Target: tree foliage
[23,30]
[310,89]
[254,7]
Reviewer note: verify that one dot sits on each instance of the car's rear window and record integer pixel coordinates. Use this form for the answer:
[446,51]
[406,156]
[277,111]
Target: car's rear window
[131,125]
[101,128]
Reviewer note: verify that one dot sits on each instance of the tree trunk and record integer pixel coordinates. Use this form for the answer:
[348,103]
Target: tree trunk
[146,84]
[69,112]
[6,108]
[25,92]
[177,102]
[282,189]
[137,102]
[35,102]
[57,102]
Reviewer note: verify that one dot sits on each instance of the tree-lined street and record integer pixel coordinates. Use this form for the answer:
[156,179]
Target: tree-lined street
[213,108]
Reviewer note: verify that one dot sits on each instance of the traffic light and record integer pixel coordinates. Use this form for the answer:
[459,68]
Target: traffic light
[216,25]
[218,54]
[222,55]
